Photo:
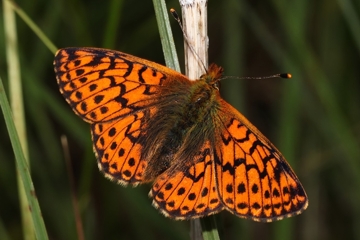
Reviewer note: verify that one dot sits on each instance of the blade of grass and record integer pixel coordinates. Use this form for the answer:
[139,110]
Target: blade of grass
[33,205]
[167,40]
[15,86]
[209,228]
[32,25]
[33,224]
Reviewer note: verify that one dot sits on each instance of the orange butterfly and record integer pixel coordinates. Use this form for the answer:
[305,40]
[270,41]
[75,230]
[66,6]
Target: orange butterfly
[151,123]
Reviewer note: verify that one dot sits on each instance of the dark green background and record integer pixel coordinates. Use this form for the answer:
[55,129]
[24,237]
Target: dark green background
[313,118]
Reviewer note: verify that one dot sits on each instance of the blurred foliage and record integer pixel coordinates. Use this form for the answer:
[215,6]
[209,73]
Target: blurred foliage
[314,118]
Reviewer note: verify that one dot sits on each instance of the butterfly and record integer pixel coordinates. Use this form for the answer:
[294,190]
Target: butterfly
[150,123]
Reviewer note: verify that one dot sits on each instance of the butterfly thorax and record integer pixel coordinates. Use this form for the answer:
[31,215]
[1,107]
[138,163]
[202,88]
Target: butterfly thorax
[182,123]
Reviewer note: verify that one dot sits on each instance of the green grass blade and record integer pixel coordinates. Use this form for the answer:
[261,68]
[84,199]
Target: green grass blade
[16,94]
[209,228]
[167,40]
[33,26]
[39,226]
[32,221]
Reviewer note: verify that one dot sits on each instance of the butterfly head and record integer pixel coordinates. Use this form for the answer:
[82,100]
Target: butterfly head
[213,75]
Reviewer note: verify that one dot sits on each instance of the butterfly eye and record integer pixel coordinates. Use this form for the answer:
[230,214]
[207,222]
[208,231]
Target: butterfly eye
[203,97]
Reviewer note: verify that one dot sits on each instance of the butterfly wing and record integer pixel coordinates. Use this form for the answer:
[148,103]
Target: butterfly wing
[253,179]
[117,93]
[102,85]
[118,149]
[189,193]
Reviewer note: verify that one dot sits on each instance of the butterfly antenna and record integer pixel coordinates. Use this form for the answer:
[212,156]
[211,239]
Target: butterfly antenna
[177,18]
[279,75]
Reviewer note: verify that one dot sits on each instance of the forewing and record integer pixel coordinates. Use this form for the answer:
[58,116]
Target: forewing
[253,178]
[190,193]
[102,85]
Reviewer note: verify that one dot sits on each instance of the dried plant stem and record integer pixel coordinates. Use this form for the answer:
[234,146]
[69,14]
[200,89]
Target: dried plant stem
[194,15]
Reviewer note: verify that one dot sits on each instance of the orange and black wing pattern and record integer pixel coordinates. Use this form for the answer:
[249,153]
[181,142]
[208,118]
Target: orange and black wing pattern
[116,93]
[190,193]
[102,85]
[254,180]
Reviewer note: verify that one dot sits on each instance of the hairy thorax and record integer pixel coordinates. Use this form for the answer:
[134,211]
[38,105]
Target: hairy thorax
[178,126]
